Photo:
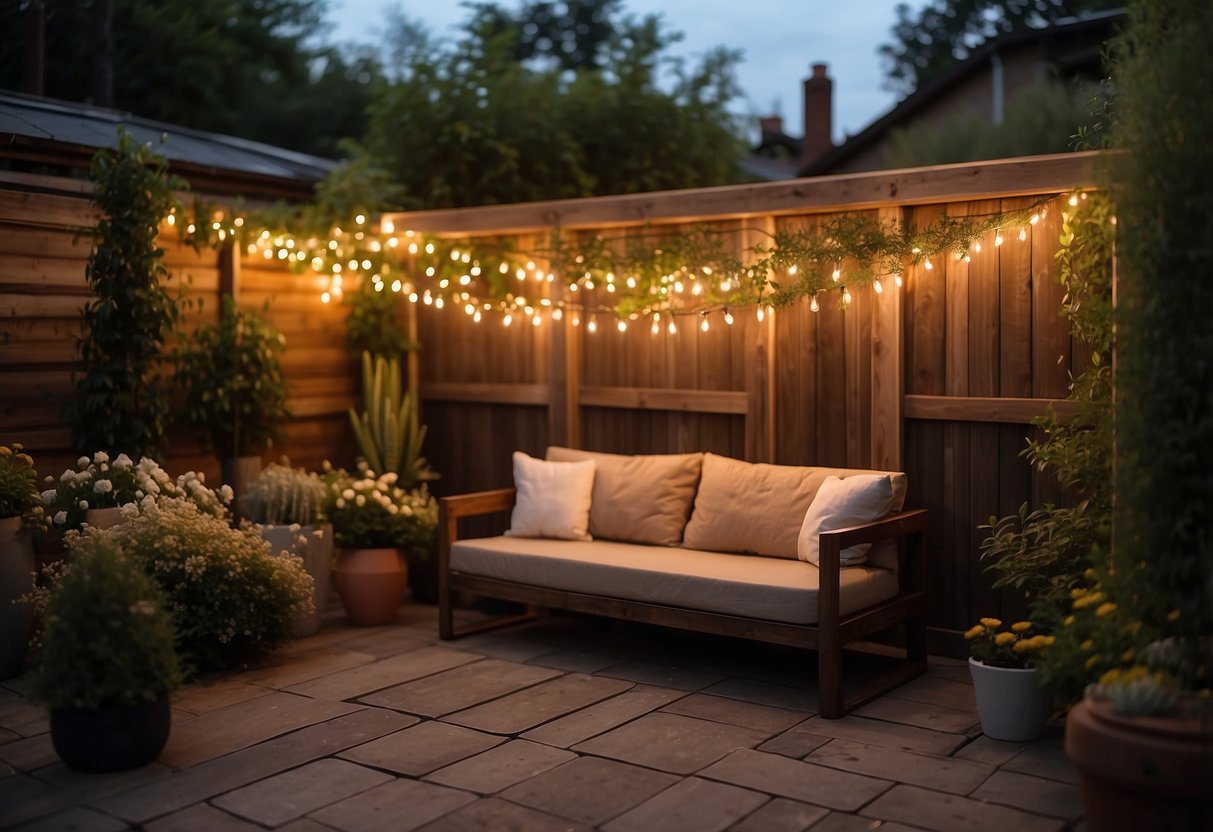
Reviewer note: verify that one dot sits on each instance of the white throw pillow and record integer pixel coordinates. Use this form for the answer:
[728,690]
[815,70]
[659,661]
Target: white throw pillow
[553,498]
[842,503]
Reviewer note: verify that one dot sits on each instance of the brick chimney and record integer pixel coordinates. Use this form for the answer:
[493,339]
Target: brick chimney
[818,114]
[771,125]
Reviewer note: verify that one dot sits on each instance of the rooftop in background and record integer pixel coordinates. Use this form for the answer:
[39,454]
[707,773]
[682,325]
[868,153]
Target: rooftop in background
[45,135]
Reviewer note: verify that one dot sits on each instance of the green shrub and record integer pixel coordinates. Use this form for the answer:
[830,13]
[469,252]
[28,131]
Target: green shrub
[18,484]
[108,635]
[282,495]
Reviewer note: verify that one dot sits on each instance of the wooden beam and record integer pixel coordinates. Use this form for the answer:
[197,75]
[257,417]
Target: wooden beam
[888,367]
[760,365]
[1023,176]
[984,409]
[229,271]
[485,393]
[652,398]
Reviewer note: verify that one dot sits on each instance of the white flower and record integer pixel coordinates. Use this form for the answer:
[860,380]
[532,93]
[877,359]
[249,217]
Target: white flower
[294,527]
[83,504]
[138,493]
[60,518]
[348,494]
[82,462]
[103,486]
[340,502]
[101,456]
[69,474]
[82,477]
[226,493]
[123,462]
[47,496]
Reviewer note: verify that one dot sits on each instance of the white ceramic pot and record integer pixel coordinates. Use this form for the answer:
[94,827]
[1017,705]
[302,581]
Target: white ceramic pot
[104,518]
[16,579]
[1010,701]
[315,545]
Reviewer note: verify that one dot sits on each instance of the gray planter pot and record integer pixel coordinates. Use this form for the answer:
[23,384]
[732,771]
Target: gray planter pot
[315,545]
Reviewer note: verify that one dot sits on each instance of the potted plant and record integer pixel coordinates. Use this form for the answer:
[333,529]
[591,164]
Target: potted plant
[107,663]
[21,511]
[390,437]
[235,389]
[1011,701]
[287,506]
[373,518]
[97,488]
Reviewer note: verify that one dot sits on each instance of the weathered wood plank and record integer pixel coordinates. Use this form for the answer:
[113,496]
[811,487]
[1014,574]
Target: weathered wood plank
[644,398]
[485,392]
[984,408]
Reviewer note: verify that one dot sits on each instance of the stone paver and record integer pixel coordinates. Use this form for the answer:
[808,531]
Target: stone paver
[986,750]
[679,676]
[796,742]
[29,753]
[201,817]
[394,642]
[237,726]
[460,688]
[885,734]
[577,661]
[766,693]
[670,742]
[920,714]
[292,794]
[1044,797]
[512,649]
[283,671]
[398,806]
[23,717]
[78,819]
[780,815]
[596,719]
[215,777]
[493,815]
[701,805]
[590,790]
[951,813]
[72,789]
[366,678]
[1043,759]
[423,748]
[7,736]
[839,822]
[945,774]
[744,714]
[202,697]
[528,708]
[936,691]
[501,767]
[798,780]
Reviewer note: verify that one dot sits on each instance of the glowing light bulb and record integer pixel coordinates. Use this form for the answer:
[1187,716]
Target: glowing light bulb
[520,274]
[1035,218]
[412,297]
[386,226]
[728,317]
[470,308]
[813,306]
[998,239]
[429,248]
[379,287]
[846,295]
[325,297]
[360,219]
[170,219]
[465,279]
[678,287]
[535,321]
[834,275]
[704,326]
[697,289]
[268,254]
[575,320]
[792,270]
[507,320]
[631,281]
[557,314]
[622,326]
[928,265]
[396,286]
[761,314]
[897,280]
[977,247]
[476,317]
[592,326]
[671,327]
[1074,201]
[366,264]
[239,222]
[656,327]
[1023,234]
[504,268]
[877,286]
[439,303]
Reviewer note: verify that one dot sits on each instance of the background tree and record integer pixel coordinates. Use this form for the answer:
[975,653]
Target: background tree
[943,32]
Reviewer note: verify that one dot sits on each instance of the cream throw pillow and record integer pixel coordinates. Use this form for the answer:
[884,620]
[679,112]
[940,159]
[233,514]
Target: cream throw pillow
[842,503]
[641,498]
[553,498]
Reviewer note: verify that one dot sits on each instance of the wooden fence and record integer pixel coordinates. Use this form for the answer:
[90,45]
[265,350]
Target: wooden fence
[939,378]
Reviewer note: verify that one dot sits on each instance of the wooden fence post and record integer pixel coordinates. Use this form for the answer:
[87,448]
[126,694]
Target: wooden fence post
[888,372]
[759,363]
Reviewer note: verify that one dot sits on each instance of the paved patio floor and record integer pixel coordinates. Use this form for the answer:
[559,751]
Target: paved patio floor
[567,723]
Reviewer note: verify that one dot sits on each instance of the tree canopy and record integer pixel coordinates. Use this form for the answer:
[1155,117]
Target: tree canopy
[943,32]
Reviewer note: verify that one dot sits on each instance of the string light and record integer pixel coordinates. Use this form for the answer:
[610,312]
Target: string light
[877,286]
[507,320]
[760,314]
[704,326]
[836,274]
[557,314]
[592,326]
[846,296]
[622,326]
[671,327]
[998,239]
[897,279]
[728,317]
[928,265]
[813,307]
[537,320]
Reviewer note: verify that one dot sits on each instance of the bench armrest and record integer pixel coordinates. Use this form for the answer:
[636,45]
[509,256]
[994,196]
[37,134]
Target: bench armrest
[481,502]
[891,527]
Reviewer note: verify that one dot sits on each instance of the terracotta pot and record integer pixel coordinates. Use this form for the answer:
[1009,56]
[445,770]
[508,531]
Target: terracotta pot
[104,518]
[112,738]
[1010,701]
[1142,772]
[16,578]
[371,585]
[315,546]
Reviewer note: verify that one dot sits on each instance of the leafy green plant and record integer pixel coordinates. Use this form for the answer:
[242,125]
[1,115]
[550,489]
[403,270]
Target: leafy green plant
[1017,646]
[371,512]
[231,597]
[374,324]
[19,485]
[283,495]
[121,403]
[235,389]
[108,635]
[389,432]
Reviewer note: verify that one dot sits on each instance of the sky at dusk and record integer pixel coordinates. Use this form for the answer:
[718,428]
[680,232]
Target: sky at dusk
[779,39]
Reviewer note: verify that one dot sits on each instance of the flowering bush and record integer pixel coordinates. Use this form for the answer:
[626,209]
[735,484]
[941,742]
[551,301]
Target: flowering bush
[283,495]
[230,596]
[102,483]
[19,485]
[372,512]
[1014,647]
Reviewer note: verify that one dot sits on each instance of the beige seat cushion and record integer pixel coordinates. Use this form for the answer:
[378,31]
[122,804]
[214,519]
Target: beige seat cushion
[639,499]
[772,589]
[755,508]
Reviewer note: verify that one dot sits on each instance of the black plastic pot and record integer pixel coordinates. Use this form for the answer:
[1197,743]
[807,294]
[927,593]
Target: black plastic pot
[112,738]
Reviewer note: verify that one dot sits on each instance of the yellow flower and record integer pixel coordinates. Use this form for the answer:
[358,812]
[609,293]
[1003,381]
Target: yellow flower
[1128,655]
[1068,620]
[1003,639]
[1173,616]
[1021,626]
[1087,645]
[1089,574]
[1089,600]
[1133,627]
[991,623]
[1077,592]
[1027,645]
[1048,641]
[974,632]
[1106,608]
[1110,677]
[1094,660]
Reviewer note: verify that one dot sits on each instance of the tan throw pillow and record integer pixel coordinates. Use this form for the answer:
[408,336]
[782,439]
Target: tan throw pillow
[639,499]
[749,507]
[553,498]
[840,504]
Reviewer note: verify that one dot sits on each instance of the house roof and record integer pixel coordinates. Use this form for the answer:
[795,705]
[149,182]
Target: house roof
[939,86]
[68,134]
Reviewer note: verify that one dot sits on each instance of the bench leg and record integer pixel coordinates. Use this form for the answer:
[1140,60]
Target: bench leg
[829,680]
[446,613]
